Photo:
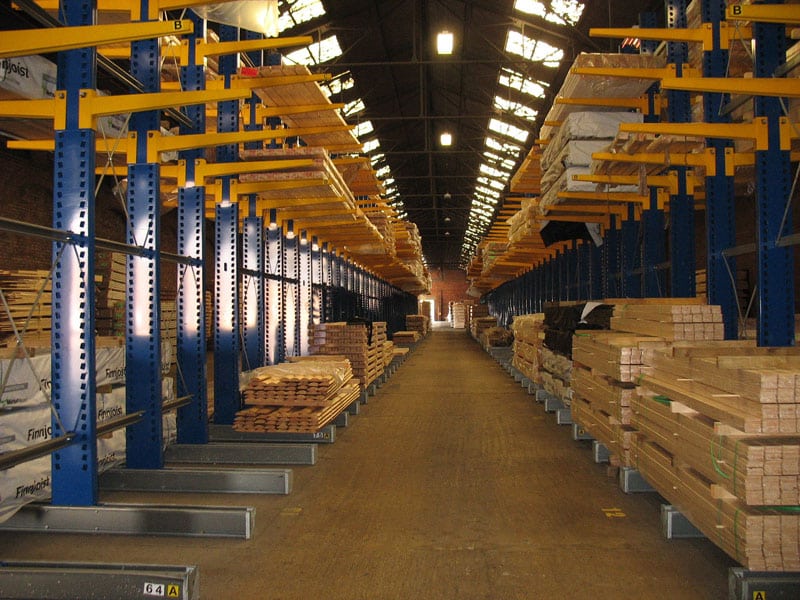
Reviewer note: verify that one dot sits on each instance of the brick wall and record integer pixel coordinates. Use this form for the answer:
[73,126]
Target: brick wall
[447,286]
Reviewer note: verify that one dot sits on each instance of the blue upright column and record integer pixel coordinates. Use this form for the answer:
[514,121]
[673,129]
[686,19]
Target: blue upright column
[143,335]
[253,306]
[191,301]
[291,292]
[629,253]
[773,188]
[681,204]
[74,479]
[653,248]
[274,291]
[227,344]
[610,283]
[305,292]
[226,328]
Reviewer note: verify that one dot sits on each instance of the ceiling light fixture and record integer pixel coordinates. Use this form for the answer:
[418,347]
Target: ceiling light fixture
[446,139]
[444,42]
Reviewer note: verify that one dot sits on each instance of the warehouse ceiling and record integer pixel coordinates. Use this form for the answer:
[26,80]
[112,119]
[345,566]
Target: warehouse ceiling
[491,95]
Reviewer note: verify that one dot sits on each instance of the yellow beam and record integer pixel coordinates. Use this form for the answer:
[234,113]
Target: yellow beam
[641,103]
[204,170]
[636,72]
[605,197]
[756,130]
[28,109]
[755,86]
[257,187]
[134,6]
[664,181]
[704,34]
[766,13]
[22,42]
[264,112]
[220,48]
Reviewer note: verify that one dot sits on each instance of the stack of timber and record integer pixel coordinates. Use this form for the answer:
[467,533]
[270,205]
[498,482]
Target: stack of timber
[556,375]
[458,314]
[110,294]
[419,323]
[480,324]
[362,346]
[27,305]
[719,438]
[676,319]
[300,397]
[528,340]
[475,311]
[496,336]
[388,352]
[606,365]
[405,338]
[169,320]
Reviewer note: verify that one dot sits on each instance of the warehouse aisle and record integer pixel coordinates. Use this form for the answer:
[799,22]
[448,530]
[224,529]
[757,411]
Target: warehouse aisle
[451,483]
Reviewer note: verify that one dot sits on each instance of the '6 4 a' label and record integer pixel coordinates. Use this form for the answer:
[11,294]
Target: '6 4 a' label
[162,590]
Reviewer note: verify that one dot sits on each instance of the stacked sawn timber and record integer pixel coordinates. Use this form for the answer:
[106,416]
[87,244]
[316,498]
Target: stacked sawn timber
[528,339]
[30,310]
[556,375]
[419,323]
[719,439]
[680,321]
[299,397]
[481,324]
[606,365]
[405,338]
[352,340]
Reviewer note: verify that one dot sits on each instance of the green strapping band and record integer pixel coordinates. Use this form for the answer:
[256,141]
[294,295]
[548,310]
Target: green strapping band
[735,464]
[662,400]
[786,509]
[715,462]
[582,335]
[640,379]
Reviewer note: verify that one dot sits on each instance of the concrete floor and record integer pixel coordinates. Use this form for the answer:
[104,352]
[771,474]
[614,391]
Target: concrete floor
[451,483]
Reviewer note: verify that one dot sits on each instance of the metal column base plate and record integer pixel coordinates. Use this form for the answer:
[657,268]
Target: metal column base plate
[62,581]
[564,416]
[364,397]
[552,404]
[221,481]
[354,408]
[579,433]
[342,420]
[600,453]
[632,482]
[136,519]
[760,585]
[674,525]
[532,389]
[242,454]
[225,433]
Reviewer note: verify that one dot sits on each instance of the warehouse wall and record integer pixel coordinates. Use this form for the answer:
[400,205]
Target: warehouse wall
[26,194]
[447,286]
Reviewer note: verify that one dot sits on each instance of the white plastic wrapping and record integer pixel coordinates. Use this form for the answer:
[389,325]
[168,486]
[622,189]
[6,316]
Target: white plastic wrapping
[589,125]
[575,153]
[31,77]
[260,16]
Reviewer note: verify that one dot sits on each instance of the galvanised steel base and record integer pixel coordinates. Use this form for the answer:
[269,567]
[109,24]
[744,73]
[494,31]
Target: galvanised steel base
[762,585]
[632,482]
[354,408]
[600,453]
[242,454]
[213,481]
[579,433]
[64,581]
[136,519]
[225,433]
[343,420]
[564,416]
[674,525]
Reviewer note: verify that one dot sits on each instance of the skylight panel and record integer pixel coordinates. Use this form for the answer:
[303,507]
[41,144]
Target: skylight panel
[508,129]
[300,11]
[363,128]
[371,145]
[493,172]
[504,147]
[493,183]
[383,172]
[517,81]
[338,85]
[351,108]
[376,158]
[515,108]
[316,53]
[560,11]
[533,50]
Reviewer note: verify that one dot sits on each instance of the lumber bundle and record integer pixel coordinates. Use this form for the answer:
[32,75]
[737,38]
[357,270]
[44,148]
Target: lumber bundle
[405,338]
[556,375]
[304,383]
[760,538]
[496,336]
[615,354]
[110,293]
[361,343]
[673,322]
[419,323]
[528,339]
[719,438]
[295,419]
[458,315]
[480,324]
[29,303]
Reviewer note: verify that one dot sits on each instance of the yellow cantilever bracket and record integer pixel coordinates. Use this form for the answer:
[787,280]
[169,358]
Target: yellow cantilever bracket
[703,34]
[41,41]
[754,86]
[204,170]
[642,103]
[765,13]
[258,187]
[668,72]
[669,181]
[705,159]
[254,82]
[155,7]
[264,112]
[605,197]
[756,130]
